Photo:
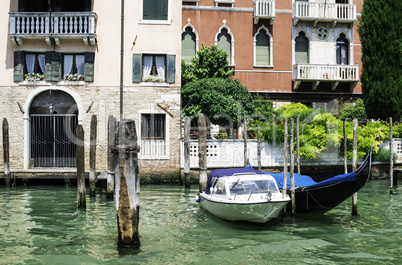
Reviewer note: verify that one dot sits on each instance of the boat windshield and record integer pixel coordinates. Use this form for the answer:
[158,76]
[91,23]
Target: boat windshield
[247,186]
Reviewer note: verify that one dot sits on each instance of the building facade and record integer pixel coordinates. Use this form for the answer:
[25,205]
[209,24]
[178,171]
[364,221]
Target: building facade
[287,50]
[62,66]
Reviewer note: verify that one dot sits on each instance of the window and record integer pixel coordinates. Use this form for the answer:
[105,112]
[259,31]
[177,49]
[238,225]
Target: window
[153,126]
[153,134]
[225,3]
[262,48]
[188,44]
[58,6]
[154,68]
[301,49]
[73,64]
[342,46]
[155,9]
[225,43]
[54,65]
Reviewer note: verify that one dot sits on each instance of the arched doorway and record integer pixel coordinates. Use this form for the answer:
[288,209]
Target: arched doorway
[53,122]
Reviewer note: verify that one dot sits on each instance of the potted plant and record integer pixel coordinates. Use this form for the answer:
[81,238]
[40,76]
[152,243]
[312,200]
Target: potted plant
[74,77]
[34,77]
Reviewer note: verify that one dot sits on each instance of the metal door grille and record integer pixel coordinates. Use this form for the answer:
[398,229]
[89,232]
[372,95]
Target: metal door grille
[53,140]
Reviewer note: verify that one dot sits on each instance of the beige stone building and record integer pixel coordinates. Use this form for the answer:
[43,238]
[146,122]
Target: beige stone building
[61,65]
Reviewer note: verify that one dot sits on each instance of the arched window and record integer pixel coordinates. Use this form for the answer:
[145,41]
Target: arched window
[342,50]
[301,49]
[262,48]
[225,43]
[188,44]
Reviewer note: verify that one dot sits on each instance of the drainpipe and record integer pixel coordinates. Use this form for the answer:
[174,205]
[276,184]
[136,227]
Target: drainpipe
[121,59]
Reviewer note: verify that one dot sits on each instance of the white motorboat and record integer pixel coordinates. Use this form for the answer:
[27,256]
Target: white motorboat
[237,195]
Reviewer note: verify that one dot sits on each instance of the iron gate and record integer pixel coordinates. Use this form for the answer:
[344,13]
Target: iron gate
[53,140]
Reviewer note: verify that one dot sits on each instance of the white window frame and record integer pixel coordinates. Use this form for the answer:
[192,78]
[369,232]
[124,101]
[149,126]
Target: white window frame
[156,22]
[224,26]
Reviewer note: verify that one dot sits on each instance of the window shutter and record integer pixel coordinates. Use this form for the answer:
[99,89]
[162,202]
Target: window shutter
[188,45]
[89,66]
[171,68]
[301,49]
[137,68]
[262,49]
[225,43]
[19,65]
[155,9]
[52,66]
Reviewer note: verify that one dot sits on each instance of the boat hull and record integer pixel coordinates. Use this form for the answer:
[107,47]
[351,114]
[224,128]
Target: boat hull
[260,212]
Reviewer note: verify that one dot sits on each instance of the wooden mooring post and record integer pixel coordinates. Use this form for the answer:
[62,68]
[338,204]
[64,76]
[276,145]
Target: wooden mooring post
[292,168]
[127,184]
[259,146]
[354,163]
[298,142]
[345,148]
[202,150]
[6,153]
[391,159]
[187,123]
[285,160]
[92,156]
[111,142]
[245,140]
[81,193]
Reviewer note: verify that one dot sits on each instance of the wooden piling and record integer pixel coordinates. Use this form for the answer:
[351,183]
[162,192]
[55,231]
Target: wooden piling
[285,159]
[298,142]
[245,140]
[292,168]
[202,150]
[92,156]
[259,146]
[345,147]
[6,153]
[187,179]
[127,185]
[391,159]
[354,162]
[111,142]
[81,194]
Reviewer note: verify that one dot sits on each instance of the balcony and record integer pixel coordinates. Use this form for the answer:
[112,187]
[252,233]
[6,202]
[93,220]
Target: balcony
[323,12]
[53,25]
[317,73]
[264,9]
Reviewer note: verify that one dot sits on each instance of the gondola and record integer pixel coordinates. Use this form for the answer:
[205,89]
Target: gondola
[323,196]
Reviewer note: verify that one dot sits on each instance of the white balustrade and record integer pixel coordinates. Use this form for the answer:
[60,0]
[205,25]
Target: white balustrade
[153,147]
[317,72]
[264,8]
[338,12]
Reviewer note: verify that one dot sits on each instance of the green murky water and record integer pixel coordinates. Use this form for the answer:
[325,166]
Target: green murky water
[41,225]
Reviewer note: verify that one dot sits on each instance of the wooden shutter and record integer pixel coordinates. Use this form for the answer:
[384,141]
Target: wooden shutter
[262,49]
[53,66]
[224,42]
[89,66]
[301,49]
[171,68]
[137,68]
[188,45]
[155,9]
[19,65]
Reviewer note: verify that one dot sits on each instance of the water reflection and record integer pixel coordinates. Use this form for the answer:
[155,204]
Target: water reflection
[41,225]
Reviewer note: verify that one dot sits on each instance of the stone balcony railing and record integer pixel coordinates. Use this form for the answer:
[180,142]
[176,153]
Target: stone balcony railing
[52,25]
[264,9]
[317,73]
[324,12]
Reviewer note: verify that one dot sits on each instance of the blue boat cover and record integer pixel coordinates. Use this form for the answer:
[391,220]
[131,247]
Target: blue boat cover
[301,181]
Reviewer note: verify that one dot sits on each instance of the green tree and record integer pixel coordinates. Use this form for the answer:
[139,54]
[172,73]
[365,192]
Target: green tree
[221,99]
[210,62]
[354,111]
[380,34]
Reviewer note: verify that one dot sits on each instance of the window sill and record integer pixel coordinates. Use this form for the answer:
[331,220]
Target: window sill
[34,83]
[155,22]
[263,66]
[154,84]
[71,83]
[153,157]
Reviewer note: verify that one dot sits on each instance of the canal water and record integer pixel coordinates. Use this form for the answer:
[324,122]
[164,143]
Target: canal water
[41,225]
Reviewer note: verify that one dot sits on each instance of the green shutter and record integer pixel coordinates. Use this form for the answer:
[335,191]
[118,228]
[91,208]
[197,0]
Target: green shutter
[137,68]
[262,49]
[171,68]
[301,49]
[53,66]
[19,65]
[224,42]
[188,45]
[155,9]
[89,66]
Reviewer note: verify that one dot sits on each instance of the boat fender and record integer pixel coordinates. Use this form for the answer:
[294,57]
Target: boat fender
[197,198]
